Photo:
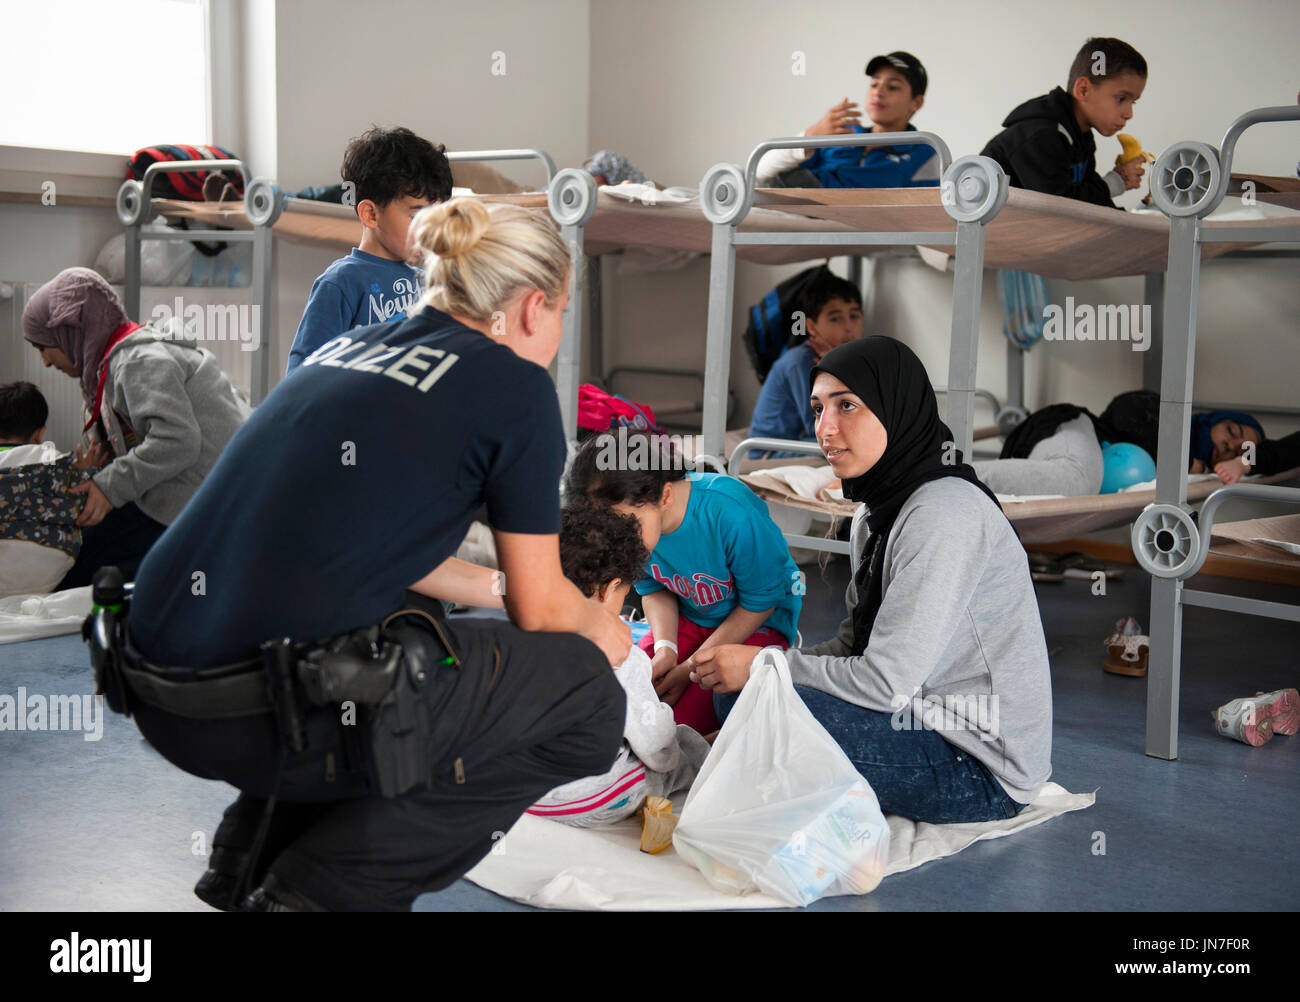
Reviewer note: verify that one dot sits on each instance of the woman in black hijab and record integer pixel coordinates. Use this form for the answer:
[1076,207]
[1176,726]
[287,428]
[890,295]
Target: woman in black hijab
[936,685]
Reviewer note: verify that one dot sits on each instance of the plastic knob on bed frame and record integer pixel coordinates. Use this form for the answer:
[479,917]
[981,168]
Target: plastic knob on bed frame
[724,197]
[130,202]
[262,202]
[1166,540]
[973,189]
[1008,418]
[571,197]
[1186,180]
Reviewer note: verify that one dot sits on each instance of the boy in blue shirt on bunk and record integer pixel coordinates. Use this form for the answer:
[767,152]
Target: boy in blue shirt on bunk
[395,174]
[832,308]
[895,94]
[1046,144]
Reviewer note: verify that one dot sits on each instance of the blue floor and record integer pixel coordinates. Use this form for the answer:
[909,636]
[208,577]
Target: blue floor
[109,825]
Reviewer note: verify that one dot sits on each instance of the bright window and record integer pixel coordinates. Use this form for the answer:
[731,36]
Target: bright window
[104,77]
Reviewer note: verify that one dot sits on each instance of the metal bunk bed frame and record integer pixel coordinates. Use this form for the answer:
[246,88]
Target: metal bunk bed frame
[1189,181]
[263,205]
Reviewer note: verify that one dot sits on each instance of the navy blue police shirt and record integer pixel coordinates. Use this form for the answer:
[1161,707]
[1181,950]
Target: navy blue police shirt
[355,478]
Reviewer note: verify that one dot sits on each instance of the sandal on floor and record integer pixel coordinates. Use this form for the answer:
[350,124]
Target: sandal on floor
[1127,649]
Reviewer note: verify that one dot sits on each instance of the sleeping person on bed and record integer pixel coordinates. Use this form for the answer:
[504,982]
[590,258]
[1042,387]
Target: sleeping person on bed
[1046,144]
[1060,449]
[832,308]
[895,93]
[719,571]
[602,553]
[395,174]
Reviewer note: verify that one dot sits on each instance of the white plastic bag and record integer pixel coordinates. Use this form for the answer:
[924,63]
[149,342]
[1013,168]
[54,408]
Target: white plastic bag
[778,806]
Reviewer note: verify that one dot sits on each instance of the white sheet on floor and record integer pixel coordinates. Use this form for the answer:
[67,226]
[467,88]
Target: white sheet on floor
[30,617]
[550,865]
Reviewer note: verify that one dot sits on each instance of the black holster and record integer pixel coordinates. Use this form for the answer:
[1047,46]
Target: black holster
[373,678]
[376,678]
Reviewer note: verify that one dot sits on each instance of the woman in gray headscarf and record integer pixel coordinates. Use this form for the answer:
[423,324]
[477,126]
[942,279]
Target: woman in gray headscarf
[164,407]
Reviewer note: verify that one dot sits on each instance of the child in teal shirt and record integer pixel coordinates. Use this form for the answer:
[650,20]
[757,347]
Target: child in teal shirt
[719,567]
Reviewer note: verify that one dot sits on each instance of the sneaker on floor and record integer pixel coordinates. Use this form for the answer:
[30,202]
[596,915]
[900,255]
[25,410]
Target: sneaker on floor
[1255,719]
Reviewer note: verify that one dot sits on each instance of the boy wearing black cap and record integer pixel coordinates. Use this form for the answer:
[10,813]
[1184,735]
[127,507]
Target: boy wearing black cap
[895,94]
[1046,144]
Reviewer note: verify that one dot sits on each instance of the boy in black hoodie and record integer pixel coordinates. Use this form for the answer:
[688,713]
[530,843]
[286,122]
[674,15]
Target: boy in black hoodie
[1046,144]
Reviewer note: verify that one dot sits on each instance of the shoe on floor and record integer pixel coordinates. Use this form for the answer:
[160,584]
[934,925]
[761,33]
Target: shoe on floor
[1127,655]
[1255,719]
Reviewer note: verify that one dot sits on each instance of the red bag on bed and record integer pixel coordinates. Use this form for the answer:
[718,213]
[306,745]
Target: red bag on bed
[187,185]
[601,411]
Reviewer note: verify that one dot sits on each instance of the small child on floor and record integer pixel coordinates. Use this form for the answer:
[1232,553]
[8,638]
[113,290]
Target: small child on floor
[39,537]
[602,553]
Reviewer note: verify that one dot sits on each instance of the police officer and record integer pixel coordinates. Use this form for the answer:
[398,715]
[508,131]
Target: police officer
[335,513]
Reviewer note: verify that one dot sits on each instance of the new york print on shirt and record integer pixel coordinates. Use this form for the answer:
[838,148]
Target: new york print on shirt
[382,308]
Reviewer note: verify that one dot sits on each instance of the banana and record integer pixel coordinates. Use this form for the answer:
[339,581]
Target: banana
[1131,150]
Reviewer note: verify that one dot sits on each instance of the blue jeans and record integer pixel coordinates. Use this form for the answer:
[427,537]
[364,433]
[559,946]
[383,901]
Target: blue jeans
[915,773]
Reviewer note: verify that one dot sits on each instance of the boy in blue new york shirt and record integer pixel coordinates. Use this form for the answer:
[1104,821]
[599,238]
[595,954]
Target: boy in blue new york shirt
[895,94]
[395,174]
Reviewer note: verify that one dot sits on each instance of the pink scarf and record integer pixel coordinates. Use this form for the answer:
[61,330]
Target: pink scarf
[78,313]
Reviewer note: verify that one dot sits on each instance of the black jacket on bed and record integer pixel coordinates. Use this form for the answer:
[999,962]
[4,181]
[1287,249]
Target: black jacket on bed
[1273,455]
[1042,149]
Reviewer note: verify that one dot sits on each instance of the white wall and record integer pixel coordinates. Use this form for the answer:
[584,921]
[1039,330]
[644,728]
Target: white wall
[680,85]
[341,67]
[717,79]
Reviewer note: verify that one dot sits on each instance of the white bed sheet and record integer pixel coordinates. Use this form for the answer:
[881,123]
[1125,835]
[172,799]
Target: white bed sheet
[549,865]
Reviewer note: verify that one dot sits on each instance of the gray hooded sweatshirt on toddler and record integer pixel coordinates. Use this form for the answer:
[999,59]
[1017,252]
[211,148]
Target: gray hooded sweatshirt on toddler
[169,411]
[958,629]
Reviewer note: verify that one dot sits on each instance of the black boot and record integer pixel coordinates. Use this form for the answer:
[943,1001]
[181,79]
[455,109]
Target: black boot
[226,882]
[275,896]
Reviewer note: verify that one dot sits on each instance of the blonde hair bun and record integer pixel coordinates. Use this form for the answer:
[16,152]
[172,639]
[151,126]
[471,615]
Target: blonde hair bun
[479,256]
[452,229]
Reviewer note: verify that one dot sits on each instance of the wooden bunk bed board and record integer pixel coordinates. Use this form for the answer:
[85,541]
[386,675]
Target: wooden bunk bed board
[1046,234]
[1051,236]
[1043,520]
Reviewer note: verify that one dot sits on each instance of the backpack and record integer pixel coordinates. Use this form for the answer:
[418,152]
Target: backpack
[600,411]
[769,332]
[186,185]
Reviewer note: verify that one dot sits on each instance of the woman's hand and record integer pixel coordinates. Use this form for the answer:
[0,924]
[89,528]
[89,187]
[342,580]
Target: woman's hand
[609,633]
[91,459]
[669,689]
[97,506]
[724,668]
[1232,470]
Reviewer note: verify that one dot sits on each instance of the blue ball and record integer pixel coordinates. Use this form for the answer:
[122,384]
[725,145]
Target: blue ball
[1125,464]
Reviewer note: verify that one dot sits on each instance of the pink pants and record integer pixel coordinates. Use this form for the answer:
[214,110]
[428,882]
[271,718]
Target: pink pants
[695,707]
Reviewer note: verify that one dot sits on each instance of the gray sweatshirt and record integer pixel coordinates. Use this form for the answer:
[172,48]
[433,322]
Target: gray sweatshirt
[169,411]
[957,642]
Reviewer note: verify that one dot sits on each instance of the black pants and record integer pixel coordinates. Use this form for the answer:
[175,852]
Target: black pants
[524,713]
[122,539]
